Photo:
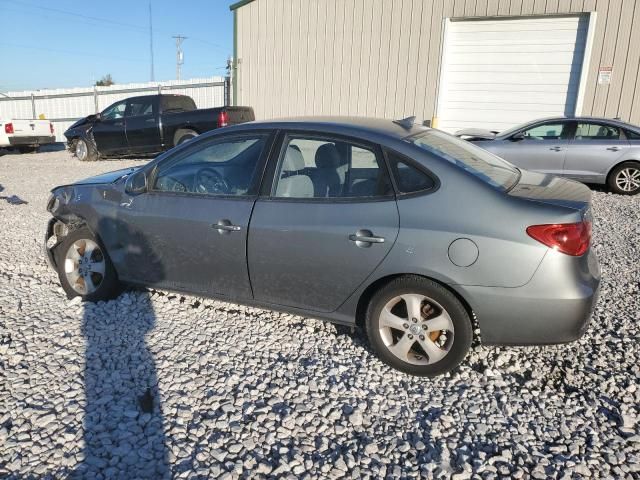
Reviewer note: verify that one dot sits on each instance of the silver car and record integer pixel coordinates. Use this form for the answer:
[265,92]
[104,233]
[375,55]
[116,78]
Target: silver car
[587,149]
[406,231]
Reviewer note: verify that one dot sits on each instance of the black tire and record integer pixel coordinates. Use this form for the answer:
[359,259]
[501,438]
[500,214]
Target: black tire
[85,150]
[183,135]
[28,149]
[107,288]
[616,181]
[459,340]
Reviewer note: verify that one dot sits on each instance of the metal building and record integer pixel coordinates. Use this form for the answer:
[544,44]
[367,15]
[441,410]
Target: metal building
[458,63]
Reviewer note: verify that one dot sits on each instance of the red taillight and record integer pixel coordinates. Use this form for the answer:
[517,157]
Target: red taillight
[51,128]
[223,119]
[8,128]
[570,238]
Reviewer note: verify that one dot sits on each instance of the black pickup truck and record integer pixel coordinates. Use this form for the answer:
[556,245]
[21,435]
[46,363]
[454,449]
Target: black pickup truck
[147,124]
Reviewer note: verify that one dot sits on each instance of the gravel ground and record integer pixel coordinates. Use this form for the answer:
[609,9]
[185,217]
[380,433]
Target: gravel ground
[157,385]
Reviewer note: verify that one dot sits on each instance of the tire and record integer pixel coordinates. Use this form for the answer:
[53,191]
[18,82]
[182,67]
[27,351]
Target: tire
[443,327]
[624,179]
[183,135]
[99,272]
[85,150]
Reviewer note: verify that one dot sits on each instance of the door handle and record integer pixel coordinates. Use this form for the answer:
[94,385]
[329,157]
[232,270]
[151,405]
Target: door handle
[556,149]
[225,226]
[364,238]
[613,149]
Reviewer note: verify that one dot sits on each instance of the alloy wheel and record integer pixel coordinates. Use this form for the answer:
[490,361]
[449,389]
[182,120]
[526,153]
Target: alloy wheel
[628,179]
[81,150]
[84,266]
[416,329]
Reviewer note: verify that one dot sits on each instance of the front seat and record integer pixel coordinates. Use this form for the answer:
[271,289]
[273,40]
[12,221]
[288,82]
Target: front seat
[293,182]
[329,174]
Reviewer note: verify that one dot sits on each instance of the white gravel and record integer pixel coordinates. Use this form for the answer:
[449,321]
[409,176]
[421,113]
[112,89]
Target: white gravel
[236,392]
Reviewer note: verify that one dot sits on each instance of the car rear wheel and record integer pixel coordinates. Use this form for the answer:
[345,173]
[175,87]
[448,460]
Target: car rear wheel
[625,179]
[182,136]
[84,268]
[419,327]
[85,150]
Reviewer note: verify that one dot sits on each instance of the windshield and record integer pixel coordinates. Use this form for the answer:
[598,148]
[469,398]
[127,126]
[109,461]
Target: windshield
[473,159]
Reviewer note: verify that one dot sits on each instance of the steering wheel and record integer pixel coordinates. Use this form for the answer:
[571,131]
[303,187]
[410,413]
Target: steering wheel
[208,180]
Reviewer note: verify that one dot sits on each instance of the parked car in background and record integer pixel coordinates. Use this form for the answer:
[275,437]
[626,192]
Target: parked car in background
[147,124]
[405,230]
[25,135]
[587,149]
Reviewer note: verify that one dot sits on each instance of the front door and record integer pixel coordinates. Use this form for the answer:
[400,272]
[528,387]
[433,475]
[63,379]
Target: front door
[108,130]
[541,148]
[141,122]
[327,223]
[595,148]
[189,232]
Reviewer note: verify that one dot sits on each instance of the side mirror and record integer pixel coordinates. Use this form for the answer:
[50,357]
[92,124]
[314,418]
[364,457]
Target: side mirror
[517,137]
[136,183]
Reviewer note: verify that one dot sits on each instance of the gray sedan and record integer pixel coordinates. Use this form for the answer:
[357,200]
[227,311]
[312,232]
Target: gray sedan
[587,149]
[406,231]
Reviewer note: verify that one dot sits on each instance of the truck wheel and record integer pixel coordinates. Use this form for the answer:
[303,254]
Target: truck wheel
[85,150]
[183,135]
[28,149]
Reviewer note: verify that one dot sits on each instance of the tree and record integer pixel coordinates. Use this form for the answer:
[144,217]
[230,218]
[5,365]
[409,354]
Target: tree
[105,81]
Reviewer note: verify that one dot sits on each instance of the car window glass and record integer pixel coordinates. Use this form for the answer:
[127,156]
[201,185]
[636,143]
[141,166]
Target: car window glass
[595,131]
[631,135]
[409,179]
[320,168]
[140,106]
[220,167]
[114,111]
[548,131]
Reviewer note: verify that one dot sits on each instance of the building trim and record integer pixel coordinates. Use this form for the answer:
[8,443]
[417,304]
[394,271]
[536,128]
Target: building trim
[239,4]
[586,63]
[234,62]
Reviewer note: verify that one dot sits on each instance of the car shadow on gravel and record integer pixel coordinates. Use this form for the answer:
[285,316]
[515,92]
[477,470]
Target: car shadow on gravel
[123,422]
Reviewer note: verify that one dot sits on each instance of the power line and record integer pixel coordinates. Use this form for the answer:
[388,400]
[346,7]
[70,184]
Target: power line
[151,42]
[72,52]
[179,54]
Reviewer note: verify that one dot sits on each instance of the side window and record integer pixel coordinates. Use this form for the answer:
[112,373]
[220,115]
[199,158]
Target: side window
[115,111]
[224,166]
[320,168]
[632,135]
[547,131]
[139,107]
[409,179]
[595,131]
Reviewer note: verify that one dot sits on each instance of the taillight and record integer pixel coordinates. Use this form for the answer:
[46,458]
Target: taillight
[570,238]
[8,128]
[51,128]
[223,119]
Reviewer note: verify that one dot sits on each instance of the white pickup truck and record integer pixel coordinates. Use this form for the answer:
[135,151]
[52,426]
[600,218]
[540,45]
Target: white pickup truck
[26,135]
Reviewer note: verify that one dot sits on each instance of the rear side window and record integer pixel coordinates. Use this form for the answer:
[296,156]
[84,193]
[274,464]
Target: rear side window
[178,103]
[140,107]
[409,179]
[632,135]
[595,131]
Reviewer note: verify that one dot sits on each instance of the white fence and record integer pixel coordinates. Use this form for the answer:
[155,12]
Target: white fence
[63,106]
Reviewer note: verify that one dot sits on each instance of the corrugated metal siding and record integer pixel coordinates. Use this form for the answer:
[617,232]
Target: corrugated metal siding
[382,58]
[65,105]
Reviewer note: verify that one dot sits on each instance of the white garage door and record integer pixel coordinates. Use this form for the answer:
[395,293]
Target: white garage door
[498,73]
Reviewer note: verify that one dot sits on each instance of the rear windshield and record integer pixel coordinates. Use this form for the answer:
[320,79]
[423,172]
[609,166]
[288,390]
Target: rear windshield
[473,159]
[179,103]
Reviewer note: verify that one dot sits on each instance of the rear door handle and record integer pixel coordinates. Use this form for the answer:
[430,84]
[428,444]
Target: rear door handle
[613,149]
[364,238]
[225,226]
[556,149]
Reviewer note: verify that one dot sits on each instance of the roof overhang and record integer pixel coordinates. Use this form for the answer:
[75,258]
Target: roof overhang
[241,3]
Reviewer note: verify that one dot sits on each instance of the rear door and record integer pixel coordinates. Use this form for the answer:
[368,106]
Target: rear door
[323,225]
[541,148]
[141,123]
[593,150]
[109,130]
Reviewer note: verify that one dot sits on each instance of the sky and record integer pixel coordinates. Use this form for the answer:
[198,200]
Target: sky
[71,43]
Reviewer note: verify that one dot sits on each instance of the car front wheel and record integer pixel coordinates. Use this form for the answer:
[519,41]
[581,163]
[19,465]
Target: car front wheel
[84,268]
[419,327]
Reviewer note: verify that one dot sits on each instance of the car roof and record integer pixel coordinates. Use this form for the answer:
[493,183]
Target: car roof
[337,124]
[586,118]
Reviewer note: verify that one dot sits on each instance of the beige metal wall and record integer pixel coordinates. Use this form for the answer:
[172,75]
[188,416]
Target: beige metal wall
[382,57]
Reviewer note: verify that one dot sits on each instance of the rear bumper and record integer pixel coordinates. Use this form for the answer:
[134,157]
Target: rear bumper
[554,307]
[31,141]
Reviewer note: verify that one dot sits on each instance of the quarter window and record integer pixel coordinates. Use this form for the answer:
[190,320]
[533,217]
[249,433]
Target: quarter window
[219,167]
[409,179]
[594,131]
[548,131]
[321,168]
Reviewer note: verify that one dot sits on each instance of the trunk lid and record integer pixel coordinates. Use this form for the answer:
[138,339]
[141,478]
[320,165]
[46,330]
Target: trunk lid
[550,189]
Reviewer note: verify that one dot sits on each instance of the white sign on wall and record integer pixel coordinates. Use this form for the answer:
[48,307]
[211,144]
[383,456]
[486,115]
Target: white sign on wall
[604,75]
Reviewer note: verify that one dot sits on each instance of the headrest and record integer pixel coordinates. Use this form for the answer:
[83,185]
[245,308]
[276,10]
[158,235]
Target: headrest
[327,156]
[293,159]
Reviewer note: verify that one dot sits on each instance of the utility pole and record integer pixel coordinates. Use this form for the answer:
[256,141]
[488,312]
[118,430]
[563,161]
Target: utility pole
[151,42]
[179,54]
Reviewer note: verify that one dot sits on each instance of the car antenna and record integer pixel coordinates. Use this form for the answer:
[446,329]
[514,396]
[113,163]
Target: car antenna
[406,122]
